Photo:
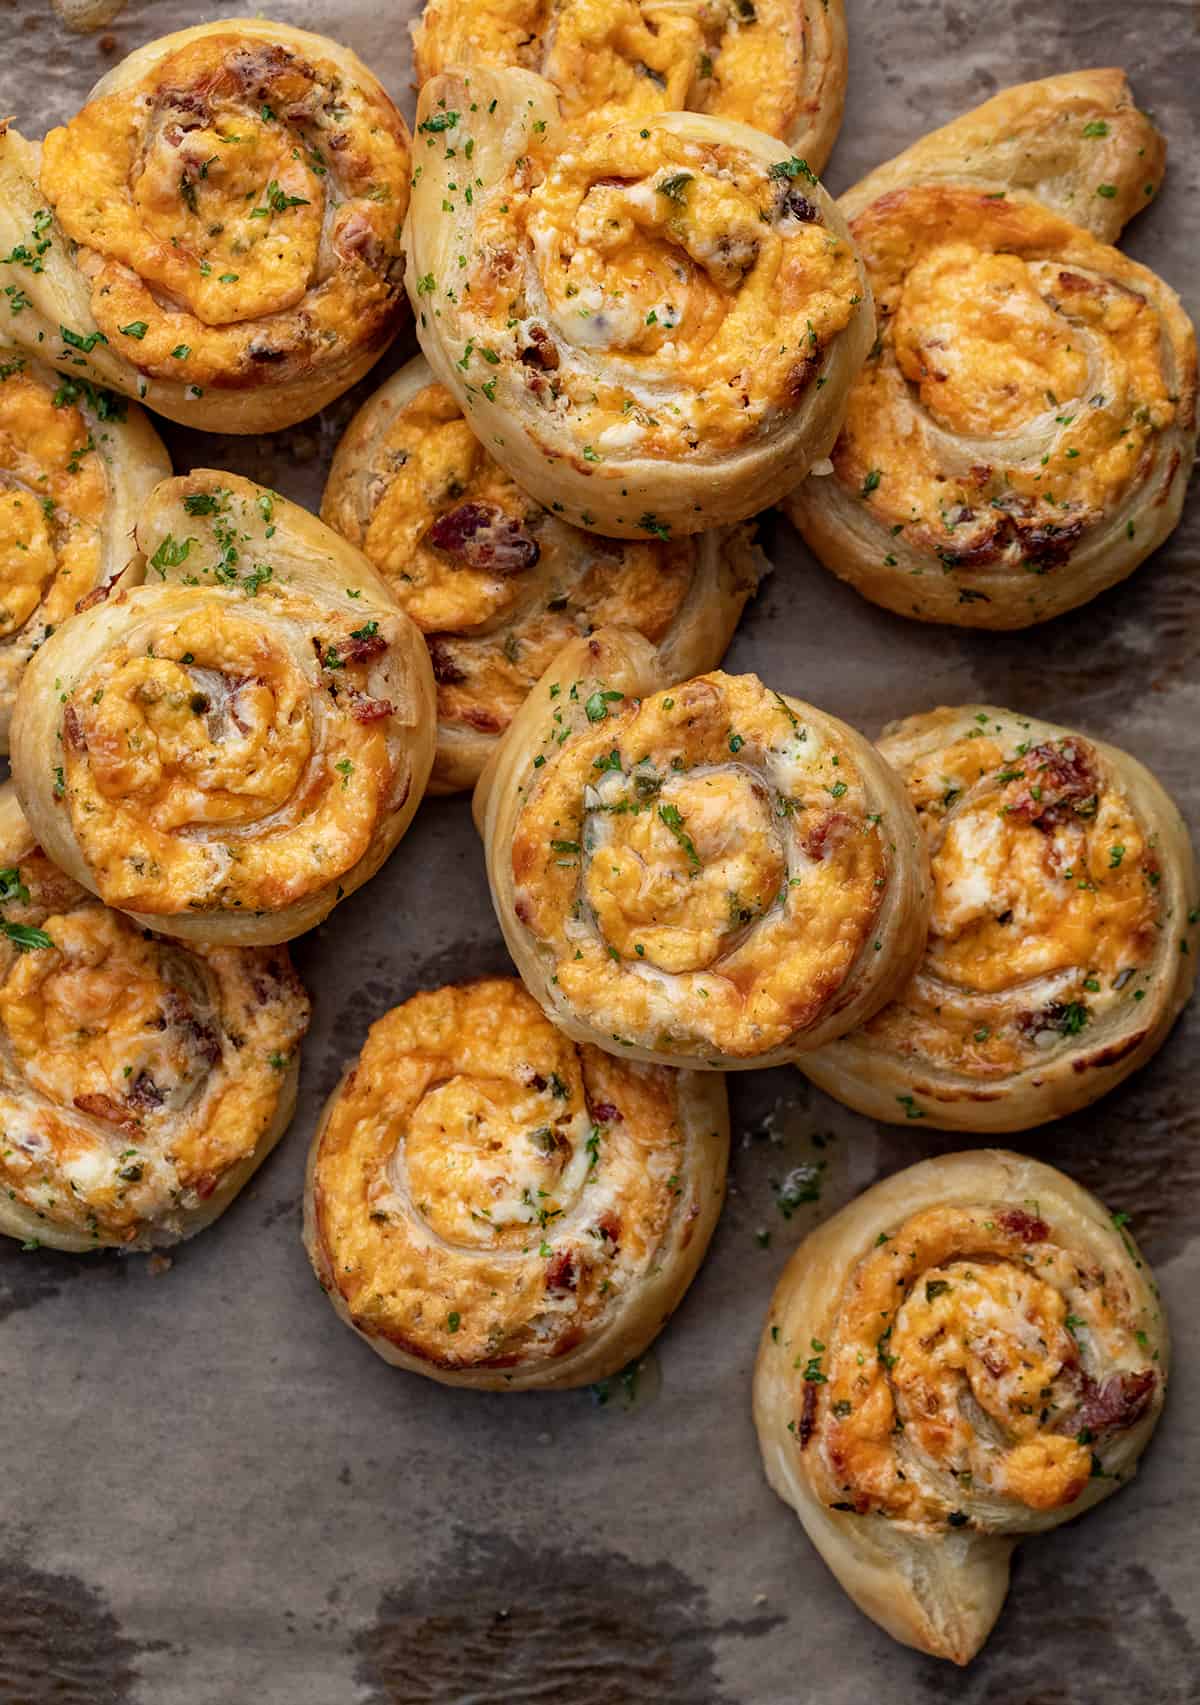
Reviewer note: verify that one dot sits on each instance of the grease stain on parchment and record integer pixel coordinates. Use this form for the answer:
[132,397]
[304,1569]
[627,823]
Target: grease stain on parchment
[498,1622]
[60,1643]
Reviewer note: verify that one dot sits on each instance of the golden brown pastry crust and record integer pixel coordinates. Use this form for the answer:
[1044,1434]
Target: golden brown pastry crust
[651,325]
[779,65]
[1064,935]
[972,1351]
[1022,433]
[228,750]
[75,466]
[707,874]
[253,176]
[491,1205]
[141,1082]
[496,583]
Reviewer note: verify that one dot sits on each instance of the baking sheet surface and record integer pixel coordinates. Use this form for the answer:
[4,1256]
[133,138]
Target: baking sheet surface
[212,1492]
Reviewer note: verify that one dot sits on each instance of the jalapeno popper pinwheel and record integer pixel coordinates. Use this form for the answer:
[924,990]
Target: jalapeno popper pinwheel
[227,750]
[141,1082]
[703,874]
[1022,433]
[651,324]
[492,1206]
[75,466]
[1063,940]
[498,584]
[779,65]
[971,1352]
[217,231]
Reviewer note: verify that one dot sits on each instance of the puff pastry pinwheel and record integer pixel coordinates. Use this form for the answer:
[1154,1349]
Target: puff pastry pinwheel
[217,231]
[707,874]
[971,1352]
[1063,939]
[75,466]
[492,1206]
[141,1082]
[777,64]
[652,325]
[498,584]
[227,750]
[1021,436]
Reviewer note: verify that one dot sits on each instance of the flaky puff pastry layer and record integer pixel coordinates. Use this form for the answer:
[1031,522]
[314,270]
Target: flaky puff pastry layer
[141,1082]
[652,325]
[225,234]
[76,463]
[971,1352]
[707,874]
[491,1205]
[496,583]
[779,65]
[1022,433]
[1063,939]
[229,749]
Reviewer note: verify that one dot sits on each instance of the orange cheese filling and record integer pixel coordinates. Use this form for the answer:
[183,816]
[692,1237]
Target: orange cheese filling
[634,259]
[498,584]
[137,1072]
[53,492]
[237,210]
[734,59]
[701,863]
[1045,910]
[1017,386]
[973,1359]
[486,1193]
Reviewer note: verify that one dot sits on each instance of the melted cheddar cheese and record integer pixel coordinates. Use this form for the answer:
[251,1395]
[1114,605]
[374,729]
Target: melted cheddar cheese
[731,58]
[135,1074]
[655,294]
[1017,388]
[496,583]
[237,211]
[703,865]
[1045,910]
[488,1195]
[974,1363]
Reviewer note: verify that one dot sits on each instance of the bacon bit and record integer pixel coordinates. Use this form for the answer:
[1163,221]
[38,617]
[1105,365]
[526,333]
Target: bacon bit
[825,836]
[446,671]
[979,475]
[205,1185]
[560,1272]
[201,1038]
[110,1111]
[1027,1227]
[1077,284]
[606,1113]
[542,350]
[801,375]
[1066,782]
[482,720]
[145,1094]
[610,1227]
[265,352]
[1049,544]
[98,593]
[1118,1403]
[481,535]
[364,709]
[73,729]
[362,650]
[798,206]
[159,1264]
[355,238]
[808,1416]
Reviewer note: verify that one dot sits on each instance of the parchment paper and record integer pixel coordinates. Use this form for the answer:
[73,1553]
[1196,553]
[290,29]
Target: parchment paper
[212,1492]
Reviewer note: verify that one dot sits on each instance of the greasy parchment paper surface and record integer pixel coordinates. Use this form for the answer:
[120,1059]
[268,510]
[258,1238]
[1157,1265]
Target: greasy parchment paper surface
[212,1492]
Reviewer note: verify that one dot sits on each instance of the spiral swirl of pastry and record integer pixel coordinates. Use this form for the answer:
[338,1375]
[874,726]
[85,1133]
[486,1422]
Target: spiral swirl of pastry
[1063,939]
[492,1206]
[141,1082]
[650,324]
[229,749]
[779,65]
[496,583]
[1022,433]
[972,1351]
[75,466]
[707,874]
[225,239]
